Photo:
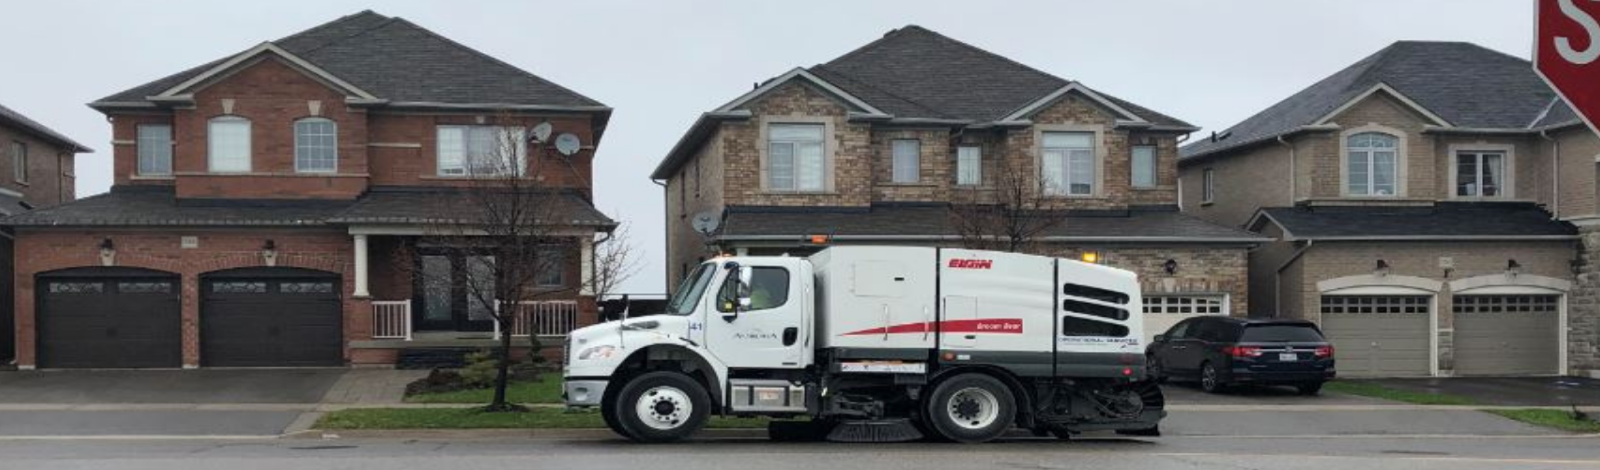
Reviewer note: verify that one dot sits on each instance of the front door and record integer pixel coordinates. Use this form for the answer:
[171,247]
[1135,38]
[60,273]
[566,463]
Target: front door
[447,299]
[769,333]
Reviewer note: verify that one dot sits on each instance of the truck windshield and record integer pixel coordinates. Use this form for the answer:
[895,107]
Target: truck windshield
[682,303]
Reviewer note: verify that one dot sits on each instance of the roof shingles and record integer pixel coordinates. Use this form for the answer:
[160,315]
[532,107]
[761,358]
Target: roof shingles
[1442,220]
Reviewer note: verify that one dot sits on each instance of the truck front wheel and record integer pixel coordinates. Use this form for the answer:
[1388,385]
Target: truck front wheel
[662,407]
[971,408]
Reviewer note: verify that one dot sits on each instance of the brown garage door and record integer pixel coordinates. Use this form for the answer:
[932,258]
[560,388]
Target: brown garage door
[271,317]
[108,318]
[1378,335]
[1507,334]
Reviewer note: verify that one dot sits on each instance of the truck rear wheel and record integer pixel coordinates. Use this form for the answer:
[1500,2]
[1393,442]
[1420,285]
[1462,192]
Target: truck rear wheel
[662,407]
[971,408]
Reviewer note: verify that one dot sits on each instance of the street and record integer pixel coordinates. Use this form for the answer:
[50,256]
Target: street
[600,452]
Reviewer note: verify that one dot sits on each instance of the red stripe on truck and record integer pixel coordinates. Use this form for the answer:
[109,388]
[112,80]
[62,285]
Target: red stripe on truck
[1005,326]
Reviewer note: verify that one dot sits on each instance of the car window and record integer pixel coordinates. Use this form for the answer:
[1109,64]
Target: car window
[1281,334]
[1177,331]
[769,288]
[1212,331]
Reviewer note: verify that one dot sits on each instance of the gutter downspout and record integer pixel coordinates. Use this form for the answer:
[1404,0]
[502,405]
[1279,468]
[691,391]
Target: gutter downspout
[666,216]
[1294,175]
[1277,279]
[1555,174]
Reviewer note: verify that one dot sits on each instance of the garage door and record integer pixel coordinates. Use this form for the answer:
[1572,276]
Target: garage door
[1378,335]
[1507,334]
[1161,312]
[271,318]
[108,318]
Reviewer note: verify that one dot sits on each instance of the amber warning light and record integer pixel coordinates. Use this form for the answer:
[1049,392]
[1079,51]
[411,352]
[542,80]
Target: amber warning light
[819,239]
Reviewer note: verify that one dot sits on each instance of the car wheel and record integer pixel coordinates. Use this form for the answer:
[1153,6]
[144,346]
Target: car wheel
[1154,369]
[1210,379]
[662,407]
[1309,389]
[971,408]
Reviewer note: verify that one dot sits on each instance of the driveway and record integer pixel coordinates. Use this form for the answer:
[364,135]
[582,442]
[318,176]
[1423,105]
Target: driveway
[200,386]
[1506,391]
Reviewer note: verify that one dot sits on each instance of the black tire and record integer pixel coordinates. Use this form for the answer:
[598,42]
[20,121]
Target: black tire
[608,412]
[1062,434]
[1309,388]
[1210,379]
[663,395]
[1154,369]
[970,408]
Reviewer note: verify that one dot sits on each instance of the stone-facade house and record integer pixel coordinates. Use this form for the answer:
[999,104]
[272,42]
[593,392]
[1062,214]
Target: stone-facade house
[1422,204]
[36,171]
[273,208]
[873,147]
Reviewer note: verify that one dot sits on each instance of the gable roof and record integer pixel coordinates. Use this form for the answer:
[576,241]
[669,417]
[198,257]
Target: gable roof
[1463,84]
[1440,221]
[396,61]
[11,118]
[915,75]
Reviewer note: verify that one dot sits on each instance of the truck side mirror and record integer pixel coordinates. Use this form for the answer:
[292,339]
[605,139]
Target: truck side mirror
[737,284]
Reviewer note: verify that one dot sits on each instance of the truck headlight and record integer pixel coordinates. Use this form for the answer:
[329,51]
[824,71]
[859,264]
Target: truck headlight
[597,352]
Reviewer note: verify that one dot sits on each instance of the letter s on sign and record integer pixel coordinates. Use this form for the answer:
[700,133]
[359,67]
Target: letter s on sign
[1590,27]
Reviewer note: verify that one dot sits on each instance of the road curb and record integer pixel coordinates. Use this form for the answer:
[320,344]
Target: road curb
[329,407]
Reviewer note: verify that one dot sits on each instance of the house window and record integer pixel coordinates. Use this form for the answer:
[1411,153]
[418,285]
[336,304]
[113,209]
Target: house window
[1370,165]
[907,160]
[316,143]
[1068,163]
[155,149]
[697,178]
[1144,166]
[481,150]
[1480,174]
[228,144]
[969,166]
[795,158]
[1208,189]
[19,161]
[552,272]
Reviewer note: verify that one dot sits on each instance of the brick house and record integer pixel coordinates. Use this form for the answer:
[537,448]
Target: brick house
[1422,203]
[872,148]
[38,163]
[273,208]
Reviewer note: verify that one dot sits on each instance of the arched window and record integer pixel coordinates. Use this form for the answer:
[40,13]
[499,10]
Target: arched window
[1370,165]
[316,145]
[228,144]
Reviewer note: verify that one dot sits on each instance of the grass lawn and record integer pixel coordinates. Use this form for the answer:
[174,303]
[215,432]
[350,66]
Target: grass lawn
[472,418]
[1557,419]
[1378,391]
[546,390]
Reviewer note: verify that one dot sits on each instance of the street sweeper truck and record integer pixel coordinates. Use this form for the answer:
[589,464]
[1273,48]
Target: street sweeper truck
[877,343]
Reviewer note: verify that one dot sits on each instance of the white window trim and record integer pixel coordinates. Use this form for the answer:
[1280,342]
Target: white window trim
[1098,178]
[1401,161]
[1508,185]
[979,169]
[138,156]
[829,150]
[438,169]
[294,129]
[1208,188]
[19,161]
[1155,166]
[249,142]
[894,163]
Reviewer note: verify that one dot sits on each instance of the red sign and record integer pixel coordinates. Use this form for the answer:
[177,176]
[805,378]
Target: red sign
[1566,52]
[958,263]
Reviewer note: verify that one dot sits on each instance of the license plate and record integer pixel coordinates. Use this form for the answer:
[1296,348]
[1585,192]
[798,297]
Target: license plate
[1288,357]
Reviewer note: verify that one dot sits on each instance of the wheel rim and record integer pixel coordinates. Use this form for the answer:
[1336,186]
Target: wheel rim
[1208,377]
[973,408]
[664,407]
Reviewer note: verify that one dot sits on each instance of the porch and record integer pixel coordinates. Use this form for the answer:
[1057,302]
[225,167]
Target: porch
[392,326]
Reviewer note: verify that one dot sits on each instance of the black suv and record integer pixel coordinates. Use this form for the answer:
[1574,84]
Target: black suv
[1222,351]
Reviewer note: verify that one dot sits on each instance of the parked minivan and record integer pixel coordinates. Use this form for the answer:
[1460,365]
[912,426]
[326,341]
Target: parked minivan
[1219,352]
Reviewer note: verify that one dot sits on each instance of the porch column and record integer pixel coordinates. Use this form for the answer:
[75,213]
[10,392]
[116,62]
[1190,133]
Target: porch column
[586,259]
[361,266]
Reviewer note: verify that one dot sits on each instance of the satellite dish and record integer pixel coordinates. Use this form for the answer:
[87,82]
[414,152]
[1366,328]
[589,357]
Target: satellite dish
[567,144]
[706,222]
[541,132]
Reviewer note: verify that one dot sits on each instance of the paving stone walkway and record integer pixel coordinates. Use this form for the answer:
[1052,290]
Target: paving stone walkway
[372,386]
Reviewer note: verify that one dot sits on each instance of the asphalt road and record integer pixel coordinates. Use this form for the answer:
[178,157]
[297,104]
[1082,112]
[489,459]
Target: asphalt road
[743,454]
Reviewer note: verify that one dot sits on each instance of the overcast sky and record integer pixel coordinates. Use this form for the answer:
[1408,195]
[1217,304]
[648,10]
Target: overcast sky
[662,63]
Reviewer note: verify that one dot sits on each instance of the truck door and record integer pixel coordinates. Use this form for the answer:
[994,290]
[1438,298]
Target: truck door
[771,332]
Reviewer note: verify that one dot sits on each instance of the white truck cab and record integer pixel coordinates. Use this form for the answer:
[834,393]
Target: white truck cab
[962,344]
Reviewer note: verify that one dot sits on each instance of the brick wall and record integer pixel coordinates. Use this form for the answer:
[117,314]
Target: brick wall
[1421,176]
[1201,269]
[50,169]
[1254,178]
[1577,149]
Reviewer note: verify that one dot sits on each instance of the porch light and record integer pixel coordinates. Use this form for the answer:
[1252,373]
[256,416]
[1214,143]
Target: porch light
[1513,267]
[1382,268]
[1090,257]
[108,252]
[1171,266]
[269,253]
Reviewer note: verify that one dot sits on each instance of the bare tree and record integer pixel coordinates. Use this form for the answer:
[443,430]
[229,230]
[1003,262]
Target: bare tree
[615,261]
[1009,215]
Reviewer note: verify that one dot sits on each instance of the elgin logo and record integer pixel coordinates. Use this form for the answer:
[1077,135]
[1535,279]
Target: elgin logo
[957,263]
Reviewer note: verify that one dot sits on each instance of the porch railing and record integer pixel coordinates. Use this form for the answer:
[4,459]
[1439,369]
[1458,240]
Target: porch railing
[543,318]
[391,319]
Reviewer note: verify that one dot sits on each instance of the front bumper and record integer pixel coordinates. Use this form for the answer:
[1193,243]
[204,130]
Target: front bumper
[583,392]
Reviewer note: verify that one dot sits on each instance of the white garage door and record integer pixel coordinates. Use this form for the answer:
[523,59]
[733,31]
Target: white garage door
[1378,335]
[1163,311]
[1507,334]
